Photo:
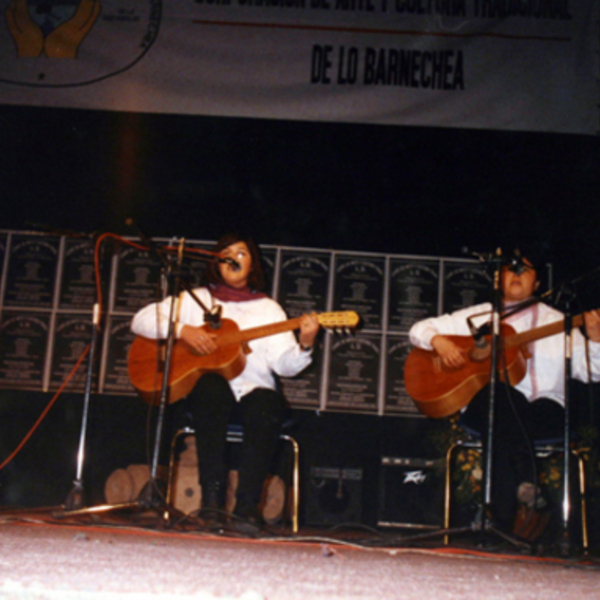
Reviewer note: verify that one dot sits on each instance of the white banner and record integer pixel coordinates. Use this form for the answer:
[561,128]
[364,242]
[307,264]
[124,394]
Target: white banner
[529,65]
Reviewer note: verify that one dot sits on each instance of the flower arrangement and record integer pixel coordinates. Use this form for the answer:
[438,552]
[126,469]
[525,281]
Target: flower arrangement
[467,471]
[467,475]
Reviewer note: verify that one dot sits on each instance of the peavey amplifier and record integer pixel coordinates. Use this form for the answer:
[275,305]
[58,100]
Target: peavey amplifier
[411,493]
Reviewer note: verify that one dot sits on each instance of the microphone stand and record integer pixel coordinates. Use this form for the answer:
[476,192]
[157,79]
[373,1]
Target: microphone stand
[485,523]
[496,347]
[569,295]
[566,504]
[495,341]
[565,542]
[150,496]
[74,499]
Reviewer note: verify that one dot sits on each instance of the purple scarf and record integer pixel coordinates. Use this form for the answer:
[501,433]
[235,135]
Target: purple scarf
[224,293]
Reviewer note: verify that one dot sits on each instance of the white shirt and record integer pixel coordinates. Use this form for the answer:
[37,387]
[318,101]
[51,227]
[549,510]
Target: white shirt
[280,354]
[545,376]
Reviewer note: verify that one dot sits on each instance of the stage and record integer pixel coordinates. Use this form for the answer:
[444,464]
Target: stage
[130,556]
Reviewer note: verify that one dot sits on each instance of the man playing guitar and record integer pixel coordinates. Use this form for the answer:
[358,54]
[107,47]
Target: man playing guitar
[533,408]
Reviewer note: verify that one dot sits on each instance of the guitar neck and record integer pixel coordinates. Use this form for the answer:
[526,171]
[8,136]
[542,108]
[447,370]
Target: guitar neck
[239,337]
[538,333]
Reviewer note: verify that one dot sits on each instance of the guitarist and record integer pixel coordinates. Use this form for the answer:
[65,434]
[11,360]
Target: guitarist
[534,408]
[250,398]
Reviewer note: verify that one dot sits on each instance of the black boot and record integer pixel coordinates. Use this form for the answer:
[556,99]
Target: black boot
[247,519]
[212,495]
[212,502]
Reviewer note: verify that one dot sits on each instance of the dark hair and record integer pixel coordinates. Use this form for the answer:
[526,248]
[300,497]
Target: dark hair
[256,278]
[532,253]
[532,256]
[536,256]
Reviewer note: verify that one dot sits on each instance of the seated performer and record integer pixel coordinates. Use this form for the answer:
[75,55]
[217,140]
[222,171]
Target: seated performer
[251,397]
[534,408]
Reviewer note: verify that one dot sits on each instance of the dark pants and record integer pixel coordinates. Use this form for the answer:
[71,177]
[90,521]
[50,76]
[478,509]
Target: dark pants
[212,407]
[517,424]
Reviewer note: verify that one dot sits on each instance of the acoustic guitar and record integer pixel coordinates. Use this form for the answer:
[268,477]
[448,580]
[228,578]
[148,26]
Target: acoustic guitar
[439,391]
[146,362]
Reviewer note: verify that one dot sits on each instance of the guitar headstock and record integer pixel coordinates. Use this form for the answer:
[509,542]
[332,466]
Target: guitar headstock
[343,321]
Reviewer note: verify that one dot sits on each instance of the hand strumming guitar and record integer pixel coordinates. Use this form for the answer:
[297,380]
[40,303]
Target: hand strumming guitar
[448,351]
[198,339]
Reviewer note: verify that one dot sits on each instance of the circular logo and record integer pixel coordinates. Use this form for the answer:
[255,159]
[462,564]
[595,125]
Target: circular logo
[68,43]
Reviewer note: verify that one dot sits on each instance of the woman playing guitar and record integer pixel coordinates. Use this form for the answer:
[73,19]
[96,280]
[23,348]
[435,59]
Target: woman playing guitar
[250,396]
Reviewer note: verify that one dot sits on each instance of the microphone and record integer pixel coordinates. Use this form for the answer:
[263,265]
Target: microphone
[233,264]
[483,257]
[477,334]
[213,316]
[517,265]
[481,349]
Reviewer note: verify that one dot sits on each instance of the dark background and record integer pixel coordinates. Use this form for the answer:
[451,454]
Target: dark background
[409,190]
[406,190]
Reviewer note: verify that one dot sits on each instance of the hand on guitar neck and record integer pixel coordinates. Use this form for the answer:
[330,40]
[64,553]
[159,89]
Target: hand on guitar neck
[592,324]
[309,327]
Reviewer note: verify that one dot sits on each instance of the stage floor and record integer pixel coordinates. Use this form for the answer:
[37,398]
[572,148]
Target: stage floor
[130,557]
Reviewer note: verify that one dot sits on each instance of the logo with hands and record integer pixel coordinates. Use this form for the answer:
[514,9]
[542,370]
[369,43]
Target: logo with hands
[57,29]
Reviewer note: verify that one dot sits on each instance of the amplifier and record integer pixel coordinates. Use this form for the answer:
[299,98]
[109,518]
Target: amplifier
[411,493]
[334,496]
